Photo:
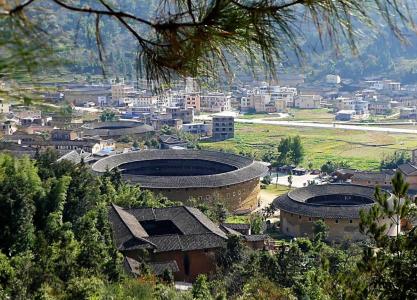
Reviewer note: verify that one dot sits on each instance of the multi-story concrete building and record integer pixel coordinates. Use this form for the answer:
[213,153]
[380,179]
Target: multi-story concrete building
[307,101]
[215,102]
[246,104]
[198,128]
[145,101]
[344,103]
[63,135]
[120,91]
[223,128]
[408,112]
[361,107]
[186,115]
[157,124]
[193,100]
[260,101]
[4,107]
[380,107]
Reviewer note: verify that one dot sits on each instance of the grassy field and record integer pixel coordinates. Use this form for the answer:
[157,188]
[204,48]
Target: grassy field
[322,115]
[363,150]
[277,189]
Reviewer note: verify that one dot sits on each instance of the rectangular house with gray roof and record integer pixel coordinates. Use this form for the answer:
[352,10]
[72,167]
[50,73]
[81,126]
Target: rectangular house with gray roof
[181,238]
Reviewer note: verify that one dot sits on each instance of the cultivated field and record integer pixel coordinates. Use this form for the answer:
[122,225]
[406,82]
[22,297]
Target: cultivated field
[363,150]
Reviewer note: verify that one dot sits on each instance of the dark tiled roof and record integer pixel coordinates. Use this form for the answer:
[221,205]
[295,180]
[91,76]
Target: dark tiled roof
[408,168]
[237,226]
[229,230]
[196,230]
[117,128]
[384,176]
[74,156]
[132,266]
[171,139]
[246,169]
[129,234]
[295,201]
[255,237]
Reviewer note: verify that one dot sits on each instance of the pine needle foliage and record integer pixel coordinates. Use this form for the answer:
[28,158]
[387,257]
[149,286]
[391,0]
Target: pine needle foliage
[205,37]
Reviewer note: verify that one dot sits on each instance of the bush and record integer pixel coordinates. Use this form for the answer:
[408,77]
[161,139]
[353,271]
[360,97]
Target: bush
[266,180]
[85,288]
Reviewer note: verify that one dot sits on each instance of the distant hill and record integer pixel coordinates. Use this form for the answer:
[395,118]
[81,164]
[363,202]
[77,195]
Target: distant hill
[382,55]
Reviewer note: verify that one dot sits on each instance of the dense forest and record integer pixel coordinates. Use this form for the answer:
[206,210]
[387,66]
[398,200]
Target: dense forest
[56,243]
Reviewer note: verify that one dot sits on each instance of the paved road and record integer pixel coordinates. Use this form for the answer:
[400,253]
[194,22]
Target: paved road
[327,126]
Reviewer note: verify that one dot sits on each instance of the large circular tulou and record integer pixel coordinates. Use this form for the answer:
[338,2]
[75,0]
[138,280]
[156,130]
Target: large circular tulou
[181,175]
[338,205]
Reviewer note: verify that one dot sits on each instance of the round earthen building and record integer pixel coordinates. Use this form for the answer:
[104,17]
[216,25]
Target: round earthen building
[207,176]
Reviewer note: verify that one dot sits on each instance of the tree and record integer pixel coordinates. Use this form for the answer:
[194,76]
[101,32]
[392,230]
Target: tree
[321,230]
[200,289]
[289,181]
[108,116]
[290,151]
[329,167]
[394,160]
[256,223]
[297,150]
[165,129]
[191,38]
[135,144]
[389,261]
[267,180]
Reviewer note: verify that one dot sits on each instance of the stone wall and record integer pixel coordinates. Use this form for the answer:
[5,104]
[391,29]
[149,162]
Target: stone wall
[339,229]
[242,196]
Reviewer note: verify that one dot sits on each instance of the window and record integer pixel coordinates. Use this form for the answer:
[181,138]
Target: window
[309,219]
[337,221]
[350,221]
[299,217]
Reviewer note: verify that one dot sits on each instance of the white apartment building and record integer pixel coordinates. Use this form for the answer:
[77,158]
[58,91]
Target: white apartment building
[246,103]
[344,103]
[384,85]
[215,102]
[145,101]
[4,107]
[284,93]
[260,101]
[121,91]
[307,101]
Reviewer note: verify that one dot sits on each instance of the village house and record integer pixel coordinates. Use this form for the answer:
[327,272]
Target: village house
[171,142]
[4,107]
[193,100]
[215,102]
[204,129]
[307,101]
[8,127]
[180,239]
[63,135]
[82,95]
[186,115]
[158,123]
[223,128]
